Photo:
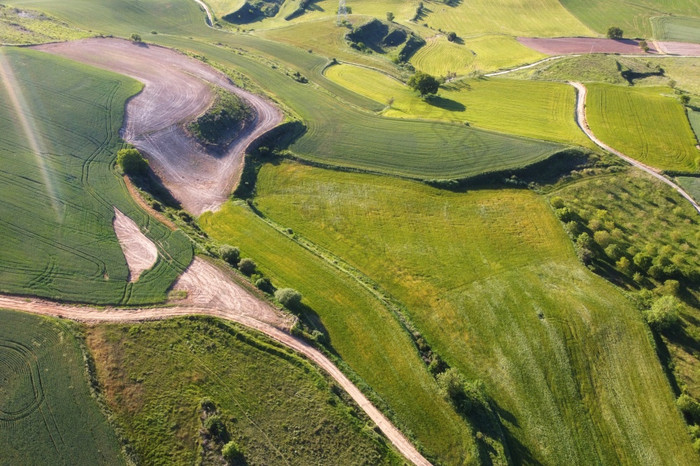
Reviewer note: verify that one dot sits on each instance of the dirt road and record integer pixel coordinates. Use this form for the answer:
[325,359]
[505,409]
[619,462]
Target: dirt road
[176,89]
[583,124]
[223,298]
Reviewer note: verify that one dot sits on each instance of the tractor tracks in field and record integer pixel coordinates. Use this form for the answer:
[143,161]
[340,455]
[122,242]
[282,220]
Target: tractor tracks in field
[582,122]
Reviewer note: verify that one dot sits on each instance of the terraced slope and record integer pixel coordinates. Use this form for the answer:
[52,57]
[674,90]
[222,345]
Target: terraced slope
[491,280]
[59,125]
[47,414]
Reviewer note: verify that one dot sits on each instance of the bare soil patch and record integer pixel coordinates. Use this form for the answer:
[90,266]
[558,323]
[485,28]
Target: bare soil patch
[140,252]
[176,90]
[567,45]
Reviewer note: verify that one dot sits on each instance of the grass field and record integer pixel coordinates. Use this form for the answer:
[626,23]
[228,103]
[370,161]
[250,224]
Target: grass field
[59,125]
[677,29]
[481,54]
[361,330]
[647,123]
[574,382]
[47,414]
[221,8]
[691,185]
[277,407]
[633,17]
[524,108]
[694,119]
[31,27]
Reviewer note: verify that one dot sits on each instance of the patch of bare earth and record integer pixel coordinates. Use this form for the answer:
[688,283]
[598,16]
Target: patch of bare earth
[140,252]
[567,45]
[176,89]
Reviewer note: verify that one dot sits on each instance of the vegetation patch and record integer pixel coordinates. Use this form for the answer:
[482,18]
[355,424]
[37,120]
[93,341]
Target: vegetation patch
[514,308]
[223,121]
[47,412]
[59,126]
[20,26]
[194,389]
[647,124]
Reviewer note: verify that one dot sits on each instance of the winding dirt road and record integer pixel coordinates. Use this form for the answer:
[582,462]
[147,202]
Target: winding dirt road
[582,122]
[223,298]
[176,90]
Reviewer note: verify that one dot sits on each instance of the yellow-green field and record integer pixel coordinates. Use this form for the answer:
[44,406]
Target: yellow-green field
[525,108]
[646,123]
[492,281]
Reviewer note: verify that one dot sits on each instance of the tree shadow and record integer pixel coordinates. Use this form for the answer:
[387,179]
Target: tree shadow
[445,104]
[312,321]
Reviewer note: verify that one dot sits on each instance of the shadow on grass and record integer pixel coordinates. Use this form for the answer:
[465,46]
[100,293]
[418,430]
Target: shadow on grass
[445,104]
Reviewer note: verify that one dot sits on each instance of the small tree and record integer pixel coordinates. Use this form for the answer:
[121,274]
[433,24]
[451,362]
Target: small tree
[643,45]
[132,162]
[685,99]
[247,266]
[614,32]
[664,313]
[288,297]
[424,83]
[452,36]
[390,16]
[230,254]
[232,453]
[135,37]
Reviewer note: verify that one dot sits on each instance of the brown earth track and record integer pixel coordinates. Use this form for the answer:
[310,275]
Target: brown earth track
[176,89]
[140,252]
[224,299]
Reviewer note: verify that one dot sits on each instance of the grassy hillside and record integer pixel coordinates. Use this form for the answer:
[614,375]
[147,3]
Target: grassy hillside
[277,407]
[676,29]
[362,332]
[47,414]
[19,26]
[648,124]
[59,125]
[633,17]
[524,108]
[512,307]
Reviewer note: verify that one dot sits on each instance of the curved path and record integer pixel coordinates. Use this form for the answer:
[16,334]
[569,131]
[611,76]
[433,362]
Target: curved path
[230,301]
[583,124]
[176,90]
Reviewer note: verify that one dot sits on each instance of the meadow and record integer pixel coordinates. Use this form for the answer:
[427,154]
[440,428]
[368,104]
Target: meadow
[525,108]
[633,18]
[646,123]
[47,413]
[59,138]
[514,309]
[361,330]
[32,26]
[678,29]
[691,185]
[276,406]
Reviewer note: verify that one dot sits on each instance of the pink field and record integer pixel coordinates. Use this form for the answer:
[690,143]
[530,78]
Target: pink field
[567,45]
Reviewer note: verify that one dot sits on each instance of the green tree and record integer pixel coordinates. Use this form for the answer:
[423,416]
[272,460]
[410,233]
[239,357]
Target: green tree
[424,83]
[232,453]
[685,99]
[288,297]
[390,16]
[247,266]
[614,32]
[230,254]
[664,313]
[132,162]
[135,37]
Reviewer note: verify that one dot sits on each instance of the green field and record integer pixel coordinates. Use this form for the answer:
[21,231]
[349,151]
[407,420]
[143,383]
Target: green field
[276,406]
[47,414]
[635,18]
[648,124]
[691,185]
[30,27]
[362,332]
[524,108]
[574,382]
[677,29]
[59,125]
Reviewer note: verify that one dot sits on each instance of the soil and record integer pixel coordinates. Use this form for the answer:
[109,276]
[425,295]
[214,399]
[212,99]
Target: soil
[568,45]
[140,252]
[177,89]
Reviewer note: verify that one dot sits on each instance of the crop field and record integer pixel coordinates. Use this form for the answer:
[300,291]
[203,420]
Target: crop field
[633,17]
[675,28]
[694,119]
[480,54]
[277,407]
[362,332]
[524,108]
[647,123]
[524,316]
[47,414]
[59,190]
[545,18]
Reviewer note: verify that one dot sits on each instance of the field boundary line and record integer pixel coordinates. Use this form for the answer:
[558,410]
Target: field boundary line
[582,122]
[91,314]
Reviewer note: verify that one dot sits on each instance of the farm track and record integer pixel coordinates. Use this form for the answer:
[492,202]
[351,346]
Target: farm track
[176,90]
[224,299]
[582,122]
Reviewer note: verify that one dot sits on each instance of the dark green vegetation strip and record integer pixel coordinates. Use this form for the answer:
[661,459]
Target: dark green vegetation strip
[362,332]
[47,414]
[222,122]
[277,407]
[57,209]
[556,346]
